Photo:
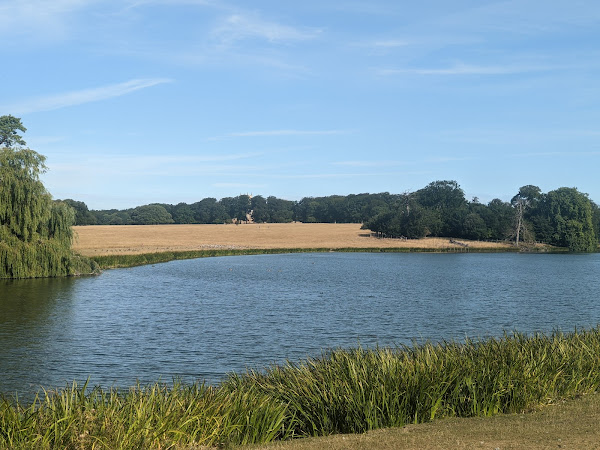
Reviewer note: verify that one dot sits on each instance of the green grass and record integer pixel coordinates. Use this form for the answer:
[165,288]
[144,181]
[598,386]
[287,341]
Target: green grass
[344,391]
[122,261]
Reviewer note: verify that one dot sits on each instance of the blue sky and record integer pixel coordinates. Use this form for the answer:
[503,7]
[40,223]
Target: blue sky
[141,101]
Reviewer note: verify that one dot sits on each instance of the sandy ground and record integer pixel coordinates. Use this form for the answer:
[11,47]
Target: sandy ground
[135,239]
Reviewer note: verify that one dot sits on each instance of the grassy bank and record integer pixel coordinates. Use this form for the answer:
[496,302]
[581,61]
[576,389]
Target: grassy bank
[132,260]
[344,391]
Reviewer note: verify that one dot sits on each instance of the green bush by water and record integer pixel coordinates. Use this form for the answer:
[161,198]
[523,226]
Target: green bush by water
[344,391]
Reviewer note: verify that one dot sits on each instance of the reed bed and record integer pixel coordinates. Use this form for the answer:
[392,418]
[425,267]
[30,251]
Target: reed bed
[343,391]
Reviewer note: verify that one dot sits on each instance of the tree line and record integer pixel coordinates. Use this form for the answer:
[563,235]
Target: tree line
[564,217]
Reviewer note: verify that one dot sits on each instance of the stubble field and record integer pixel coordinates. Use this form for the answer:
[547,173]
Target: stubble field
[101,240]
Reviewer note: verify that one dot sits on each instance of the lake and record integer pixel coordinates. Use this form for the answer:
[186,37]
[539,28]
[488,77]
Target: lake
[200,319]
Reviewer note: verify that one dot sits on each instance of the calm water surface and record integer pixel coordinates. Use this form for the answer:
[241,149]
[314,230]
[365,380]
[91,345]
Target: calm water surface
[200,319]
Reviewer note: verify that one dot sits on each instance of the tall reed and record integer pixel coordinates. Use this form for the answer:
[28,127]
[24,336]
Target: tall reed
[343,391]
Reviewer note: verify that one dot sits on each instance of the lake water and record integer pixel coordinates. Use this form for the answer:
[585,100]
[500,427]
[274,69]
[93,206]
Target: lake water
[200,319]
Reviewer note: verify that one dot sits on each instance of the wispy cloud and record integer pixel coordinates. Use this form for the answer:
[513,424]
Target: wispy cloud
[161,160]
[503,137]
[287,133]
[521,17]
[239,185]
[160,165]
[558,154]
[445,159]
[73,98]
[40,17]
[389,44]
[309,176]
[141,3]
[367,163]
[467,69]
[237,27]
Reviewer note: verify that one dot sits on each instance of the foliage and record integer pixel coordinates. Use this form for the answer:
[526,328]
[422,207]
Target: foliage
[150,215]
[237,208]
[569,213]
[343,391]
[83,216]
[35,232]
[564,217]
[9,128]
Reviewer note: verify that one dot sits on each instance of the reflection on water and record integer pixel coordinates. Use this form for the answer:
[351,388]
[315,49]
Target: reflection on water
[32,315]
[200,319]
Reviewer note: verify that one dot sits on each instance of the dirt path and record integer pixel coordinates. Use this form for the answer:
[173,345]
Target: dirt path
[569,425]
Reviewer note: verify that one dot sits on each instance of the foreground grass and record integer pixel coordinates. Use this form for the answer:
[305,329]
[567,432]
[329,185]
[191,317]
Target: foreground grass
[345,391]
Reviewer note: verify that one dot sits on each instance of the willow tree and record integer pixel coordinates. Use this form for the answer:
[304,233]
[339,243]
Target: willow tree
[35,232]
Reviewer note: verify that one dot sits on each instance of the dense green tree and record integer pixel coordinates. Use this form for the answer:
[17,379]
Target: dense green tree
[35,232]
[259,209]
[280,211]
[238,207]
[596,218]
[474,227]
[407,219]
[215,211]
[447,200]
[153,214]
[25,203]
[525,204]
[570,215]
[9,132]
[306,210]
[181,213]
[498,217]
[83,216]
[113,217]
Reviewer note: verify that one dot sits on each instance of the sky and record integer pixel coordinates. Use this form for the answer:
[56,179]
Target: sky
[167,101]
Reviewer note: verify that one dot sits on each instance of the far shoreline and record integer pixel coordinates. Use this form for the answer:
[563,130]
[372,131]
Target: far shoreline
[115,246]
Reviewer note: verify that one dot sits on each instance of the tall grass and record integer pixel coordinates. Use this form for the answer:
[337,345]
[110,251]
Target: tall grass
[343,391]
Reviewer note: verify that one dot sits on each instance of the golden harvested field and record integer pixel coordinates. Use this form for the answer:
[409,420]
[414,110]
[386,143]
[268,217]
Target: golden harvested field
[135,239]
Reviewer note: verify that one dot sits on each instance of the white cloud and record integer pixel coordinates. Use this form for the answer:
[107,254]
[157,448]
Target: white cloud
[47,19]
[368,163]
[377,174]
[239,185]
[157,165]
[522,16]
[558,154]
[141,3]
[392,43]
[467,69]
[287,133]
[237,27]
[445,159]
[73,98]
